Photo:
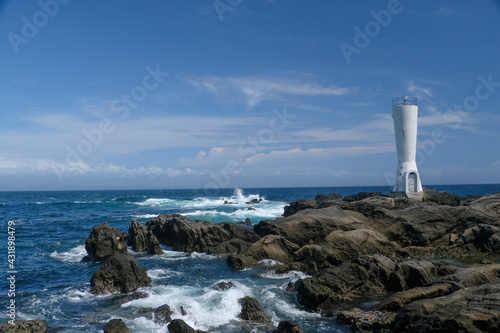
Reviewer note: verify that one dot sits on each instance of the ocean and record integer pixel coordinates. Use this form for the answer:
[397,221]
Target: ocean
[52,282]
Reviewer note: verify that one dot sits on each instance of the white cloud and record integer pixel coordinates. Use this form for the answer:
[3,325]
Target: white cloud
[299,154]
[253,90]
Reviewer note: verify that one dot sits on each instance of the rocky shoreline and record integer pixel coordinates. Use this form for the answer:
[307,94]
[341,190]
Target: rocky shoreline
[376,263]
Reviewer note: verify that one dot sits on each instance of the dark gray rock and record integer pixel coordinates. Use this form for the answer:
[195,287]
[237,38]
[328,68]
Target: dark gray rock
[104,241]
[179,326]
[288,326]
[363,195]
[120,273]
[162,314]
[225,285]
[252,310]
[299,205]
[328,197]
[363,321]
[116,326]
[186,235]
[143,240]
[441,198]
[25,326]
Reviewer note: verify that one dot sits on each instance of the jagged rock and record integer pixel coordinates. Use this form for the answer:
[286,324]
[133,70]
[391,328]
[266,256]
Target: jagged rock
[120,273]
[299,205]
[142,240]
[162,314]
[441,198]
[412,273]
[25,326]
[252,310]
[474,309]
[365,320]
[253,201]
[362,277]
[269,247]
[363,195]
[311,226]
[288,326]
[483,236]
[328,197]
[186,235]
[116,326]
[225,285]
[179,326]
[353,243]
[104,241]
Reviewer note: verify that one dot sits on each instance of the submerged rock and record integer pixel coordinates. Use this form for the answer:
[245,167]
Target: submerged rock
[120,273]
[162,314]
[22,326]
[288,326]
[104,241]
[116,326]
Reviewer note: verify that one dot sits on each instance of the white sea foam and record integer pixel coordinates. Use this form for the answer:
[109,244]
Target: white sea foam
[75,254]
[145,216]
[206,307]
[292,275]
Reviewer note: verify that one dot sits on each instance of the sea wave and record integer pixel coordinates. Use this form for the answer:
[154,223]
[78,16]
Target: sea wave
[73,255]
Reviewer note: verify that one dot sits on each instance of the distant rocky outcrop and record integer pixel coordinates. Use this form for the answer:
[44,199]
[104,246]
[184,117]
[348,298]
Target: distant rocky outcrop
[328,197]
[120,273]
[104,241]
[22,326]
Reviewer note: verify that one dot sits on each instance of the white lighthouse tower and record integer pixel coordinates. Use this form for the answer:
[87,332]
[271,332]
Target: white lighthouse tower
[405,115]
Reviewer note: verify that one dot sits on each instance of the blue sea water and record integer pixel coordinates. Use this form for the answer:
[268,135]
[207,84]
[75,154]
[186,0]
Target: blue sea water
[52,283]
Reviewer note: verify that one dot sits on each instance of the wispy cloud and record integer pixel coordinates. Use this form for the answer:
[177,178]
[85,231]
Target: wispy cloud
[253,90]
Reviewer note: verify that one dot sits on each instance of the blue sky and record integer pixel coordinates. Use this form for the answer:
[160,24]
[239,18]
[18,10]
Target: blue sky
[244,93]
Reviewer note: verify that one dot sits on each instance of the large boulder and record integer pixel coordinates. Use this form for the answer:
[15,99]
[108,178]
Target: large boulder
[104,241]
[25,326]
[328,197]
[311,226]
[441,198]
[116,326]
[299,205]
[142,239]
[362,277]
[474,309]
[269,247]
[120,273]
[187,235]
[252,310]
[412,273]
